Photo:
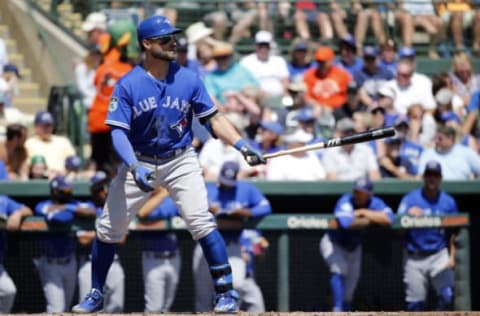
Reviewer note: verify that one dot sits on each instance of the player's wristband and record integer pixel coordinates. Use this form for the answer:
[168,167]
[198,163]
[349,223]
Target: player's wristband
[239,144]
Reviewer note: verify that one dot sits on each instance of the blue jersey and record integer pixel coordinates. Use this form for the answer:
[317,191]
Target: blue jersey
[411,152]
[158,113]
[431,239]
[248,239]
[344,213]
[157,240]
[58,244]
[8,206]
[474,102]
[243,195]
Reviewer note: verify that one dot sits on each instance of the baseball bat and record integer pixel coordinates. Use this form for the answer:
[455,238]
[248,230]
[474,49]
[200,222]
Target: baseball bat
[339,141]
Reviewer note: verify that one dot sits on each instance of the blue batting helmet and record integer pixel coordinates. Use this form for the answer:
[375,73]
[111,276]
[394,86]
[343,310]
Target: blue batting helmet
[155,26]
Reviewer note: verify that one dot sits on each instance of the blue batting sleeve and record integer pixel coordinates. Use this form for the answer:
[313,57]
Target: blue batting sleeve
[261,206]
[122,146]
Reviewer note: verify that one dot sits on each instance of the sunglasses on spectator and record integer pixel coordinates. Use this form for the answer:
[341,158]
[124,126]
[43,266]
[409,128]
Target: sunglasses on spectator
[405,74]
[162,40]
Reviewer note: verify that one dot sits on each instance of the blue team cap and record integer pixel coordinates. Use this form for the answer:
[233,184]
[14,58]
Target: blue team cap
[43,118]
[98,178]
[306,115]
[73,162]
[370,51]
[348,40]
[272,126]
[228,173]
[363,184]
[155,26]
[61,183]
[406,52]
[433,167]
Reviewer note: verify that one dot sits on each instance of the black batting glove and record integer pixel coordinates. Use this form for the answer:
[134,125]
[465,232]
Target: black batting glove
[142,177]
[252,156]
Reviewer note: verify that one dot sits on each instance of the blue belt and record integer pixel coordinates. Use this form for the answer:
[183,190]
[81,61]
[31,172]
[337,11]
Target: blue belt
[422,253]
[161,158]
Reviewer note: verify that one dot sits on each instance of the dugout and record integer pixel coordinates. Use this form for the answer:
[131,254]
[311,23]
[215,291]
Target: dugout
[380,286]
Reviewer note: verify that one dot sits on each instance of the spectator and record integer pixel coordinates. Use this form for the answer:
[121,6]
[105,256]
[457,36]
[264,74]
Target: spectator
[424,16]
[161,258]
[457,162]
[369,14]
[229,76]
[300,60]
[115,282]
[385,98]
[268,137]
[388,56]
[182,56]
[411,87]
[342,248]
[421,125]
[113,67]
[465,81]
[348,59]
[17,156]
[95,26]
[353,104]
[57,265]
[307,13]
[13,213]
[443,81]
[473,107]
[371,76]
[11,115]
[3,54]
[11,76]
[302,166]
[327,83]
[270,71]
[214,153]
[38,168]
[405,19]
[85,74]
[198,35]
[232,202]
[393,164]
[54,148]
[459,16]
[352,161]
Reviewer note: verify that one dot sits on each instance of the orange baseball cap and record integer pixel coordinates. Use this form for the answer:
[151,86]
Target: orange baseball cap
[324,53]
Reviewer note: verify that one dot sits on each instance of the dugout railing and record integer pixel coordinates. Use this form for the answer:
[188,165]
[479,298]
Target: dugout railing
[279,279]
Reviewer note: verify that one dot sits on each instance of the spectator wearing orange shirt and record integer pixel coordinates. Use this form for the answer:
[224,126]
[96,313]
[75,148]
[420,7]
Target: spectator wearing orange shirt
[115,51]
[327,84]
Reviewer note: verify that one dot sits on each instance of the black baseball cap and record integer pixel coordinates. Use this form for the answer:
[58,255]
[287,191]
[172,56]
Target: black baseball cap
[433,167]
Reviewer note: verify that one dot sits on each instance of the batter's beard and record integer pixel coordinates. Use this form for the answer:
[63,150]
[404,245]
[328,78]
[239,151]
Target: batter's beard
[167,55]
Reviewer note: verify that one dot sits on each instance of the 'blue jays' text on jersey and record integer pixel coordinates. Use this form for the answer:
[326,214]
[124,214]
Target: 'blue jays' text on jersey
[431,239]
[243,195]
[8,206]
[344,213]
[157,240]
[158,113]
[58,244]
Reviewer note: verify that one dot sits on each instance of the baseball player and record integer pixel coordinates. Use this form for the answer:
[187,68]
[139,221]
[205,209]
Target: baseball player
[427,258]
[150,116]
[12,213]
[231,201]
[342,248]
[114,288]
[253,245]
[57,267]
[161,261]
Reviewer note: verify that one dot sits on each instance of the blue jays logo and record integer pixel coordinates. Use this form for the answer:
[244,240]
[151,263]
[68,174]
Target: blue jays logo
[113,104]
[180,126]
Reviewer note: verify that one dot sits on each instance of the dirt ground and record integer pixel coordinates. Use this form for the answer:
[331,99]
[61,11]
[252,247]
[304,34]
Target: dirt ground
[457,313]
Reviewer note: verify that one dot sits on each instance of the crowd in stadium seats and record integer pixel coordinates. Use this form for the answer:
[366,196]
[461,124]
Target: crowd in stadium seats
[314,92]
